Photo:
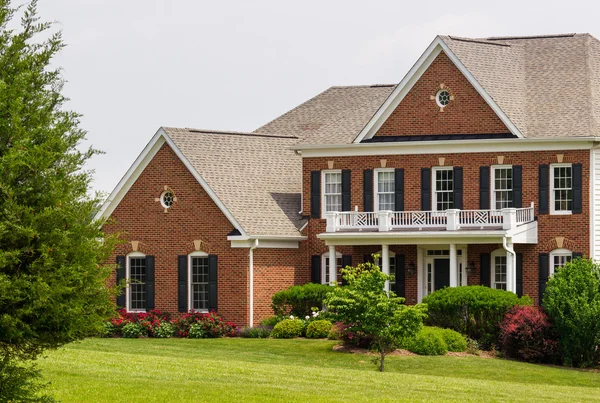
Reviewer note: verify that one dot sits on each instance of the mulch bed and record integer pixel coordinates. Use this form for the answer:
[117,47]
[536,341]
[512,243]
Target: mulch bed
[400,352]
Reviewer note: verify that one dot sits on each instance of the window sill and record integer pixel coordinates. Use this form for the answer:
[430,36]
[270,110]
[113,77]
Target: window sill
[561,212]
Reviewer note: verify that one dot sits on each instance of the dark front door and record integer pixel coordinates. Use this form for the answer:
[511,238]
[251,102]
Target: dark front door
[441,268]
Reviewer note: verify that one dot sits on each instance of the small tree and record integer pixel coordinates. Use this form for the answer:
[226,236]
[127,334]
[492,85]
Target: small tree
[364,306]
[572,300]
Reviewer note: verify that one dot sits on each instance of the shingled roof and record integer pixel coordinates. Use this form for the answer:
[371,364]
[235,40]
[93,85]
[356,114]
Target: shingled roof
[548,86]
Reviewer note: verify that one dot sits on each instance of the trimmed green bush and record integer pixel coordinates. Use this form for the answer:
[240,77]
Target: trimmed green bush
[164,330]
[288,329]
[474,311]
[429,341]
[132,330]
[572,300]
[300,299]
[455,341]
[271,320]
[318,329]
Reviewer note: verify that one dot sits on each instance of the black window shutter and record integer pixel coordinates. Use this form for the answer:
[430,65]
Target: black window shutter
[368,258]
[517,174]
[368,190]
[346,261]
[400,261]
[315,194]
[519,270]
[315,269]
[120,277]
[346,190]
[425,189]
[182,283]
[399,189]
[543,269]
[149,282]
[212,282]
[457,182]
[577,255]
[485,269]
[484,188]
[544,190]
[577,186]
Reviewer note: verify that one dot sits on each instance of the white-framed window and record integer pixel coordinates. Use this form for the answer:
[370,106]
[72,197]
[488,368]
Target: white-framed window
[498,273]
[198,281]
[325,267]
[442,98]
[558,258]
[135,273]
[167,198]
[331,181]
[443,188]
[385,196]
[502,186]
[561,188]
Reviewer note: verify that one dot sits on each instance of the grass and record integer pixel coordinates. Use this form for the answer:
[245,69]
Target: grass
[254,370]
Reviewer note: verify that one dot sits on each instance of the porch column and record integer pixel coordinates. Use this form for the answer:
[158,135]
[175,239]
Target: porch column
[385,264]
[453,266]
[332,266]
[511,275]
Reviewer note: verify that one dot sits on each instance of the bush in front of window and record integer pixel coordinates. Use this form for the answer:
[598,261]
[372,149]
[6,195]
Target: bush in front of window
[210,325]
[164,330]
[288,329]
[133,330]
[528,335]
[318,329]
[474,311]
[572,300]
[299,300]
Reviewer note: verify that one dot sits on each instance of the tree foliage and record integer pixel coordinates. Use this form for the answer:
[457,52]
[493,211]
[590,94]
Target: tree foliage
[52,280]
[364,306]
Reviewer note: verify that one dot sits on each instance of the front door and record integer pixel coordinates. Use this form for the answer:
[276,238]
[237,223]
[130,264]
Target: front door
[441,277]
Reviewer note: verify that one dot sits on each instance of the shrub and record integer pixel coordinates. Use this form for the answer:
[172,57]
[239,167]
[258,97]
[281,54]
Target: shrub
[110,330]
[210,325]
[474,311]
[300,299]
[528,335]
[164,330]
[196,331]
[272,320]
[318,329]
[454,341]
[572,300]
[133,330]
[287,329]
[336,331]
[429,341]
[257,332]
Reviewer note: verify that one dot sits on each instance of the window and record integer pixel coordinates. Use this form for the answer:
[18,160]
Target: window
[558,258]
[167,199]
[332,191]
[499,269]
[443,188]
[136,279]
[442,98]
[385,197]
[502,191]
[198,281]
[325,267]
[561,192]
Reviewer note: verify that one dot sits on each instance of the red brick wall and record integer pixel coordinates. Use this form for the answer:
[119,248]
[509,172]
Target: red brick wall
[467,113]
[575,228]
[194,216]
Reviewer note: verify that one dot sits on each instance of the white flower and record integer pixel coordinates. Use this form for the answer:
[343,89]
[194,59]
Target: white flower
[315,314]
[307,317]
[292,317]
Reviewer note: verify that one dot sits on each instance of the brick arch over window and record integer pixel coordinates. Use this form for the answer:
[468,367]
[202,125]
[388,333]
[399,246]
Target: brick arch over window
[557,243]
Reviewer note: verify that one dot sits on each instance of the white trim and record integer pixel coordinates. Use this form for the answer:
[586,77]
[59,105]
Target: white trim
[162,198]
[493,184]
[556,253]
[446,146]
[265,244]
[413,75]
[325,266]
[323,176]
[189,280]
[434,187]
[552,196]
[376,185]
[128,281]
[497,253]
[142,162]
[461,264]
[437,97]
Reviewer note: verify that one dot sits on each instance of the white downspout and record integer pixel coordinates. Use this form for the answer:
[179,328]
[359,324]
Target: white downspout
[512,274]
[251,277]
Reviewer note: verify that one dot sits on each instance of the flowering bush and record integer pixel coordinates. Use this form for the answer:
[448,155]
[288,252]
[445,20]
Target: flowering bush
[164,330]
[133,330]
[528,335]
[209,325]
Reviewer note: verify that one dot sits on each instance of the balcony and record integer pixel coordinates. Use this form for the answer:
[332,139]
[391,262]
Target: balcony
[449,220]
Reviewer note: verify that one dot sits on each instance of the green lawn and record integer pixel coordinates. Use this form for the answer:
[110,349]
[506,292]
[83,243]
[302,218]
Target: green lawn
[250,370]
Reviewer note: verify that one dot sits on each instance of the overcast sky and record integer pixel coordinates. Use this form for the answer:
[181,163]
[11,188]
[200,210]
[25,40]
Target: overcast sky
[135,65]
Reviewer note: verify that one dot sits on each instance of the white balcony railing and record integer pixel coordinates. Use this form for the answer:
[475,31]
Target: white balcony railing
[450,220]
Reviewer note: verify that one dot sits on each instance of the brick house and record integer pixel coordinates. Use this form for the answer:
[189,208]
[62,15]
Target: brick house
[479,167]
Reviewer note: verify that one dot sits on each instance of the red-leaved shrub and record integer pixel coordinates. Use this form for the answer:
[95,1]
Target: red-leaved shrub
[528,335]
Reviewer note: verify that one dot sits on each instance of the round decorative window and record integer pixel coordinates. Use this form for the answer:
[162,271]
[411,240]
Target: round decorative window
[166,199]
[442,98]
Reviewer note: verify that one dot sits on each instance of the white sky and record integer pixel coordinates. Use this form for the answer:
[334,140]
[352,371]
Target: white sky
[135,65]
